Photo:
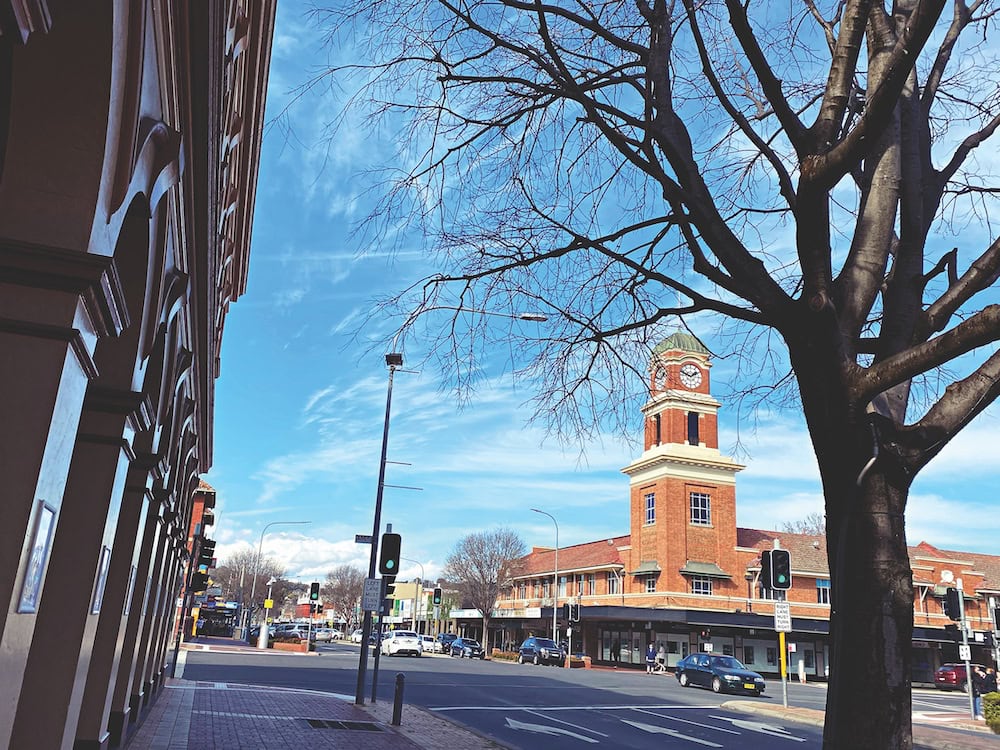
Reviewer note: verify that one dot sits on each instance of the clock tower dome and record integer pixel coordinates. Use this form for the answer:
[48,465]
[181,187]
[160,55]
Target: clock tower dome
[683,490]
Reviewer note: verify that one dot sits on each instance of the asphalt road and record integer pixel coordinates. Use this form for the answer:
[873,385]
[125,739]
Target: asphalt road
[527,707]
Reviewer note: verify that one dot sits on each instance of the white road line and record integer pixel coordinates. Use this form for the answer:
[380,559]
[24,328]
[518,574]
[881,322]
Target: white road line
[714,707]
[686,721]
[543,729]
[567,723]
[653,729]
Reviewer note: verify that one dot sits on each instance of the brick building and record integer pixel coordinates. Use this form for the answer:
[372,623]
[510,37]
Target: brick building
[687,577]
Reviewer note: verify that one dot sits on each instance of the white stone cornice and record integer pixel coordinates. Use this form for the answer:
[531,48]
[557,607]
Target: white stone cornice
[686,461]
[683,400]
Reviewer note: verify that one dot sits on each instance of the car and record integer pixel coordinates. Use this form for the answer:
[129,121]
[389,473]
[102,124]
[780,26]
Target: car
[719,672]
[466,647]
[324,634]
[295,630]
[402,642]
[540,651]
[430,645]
[952,677]
[445,640]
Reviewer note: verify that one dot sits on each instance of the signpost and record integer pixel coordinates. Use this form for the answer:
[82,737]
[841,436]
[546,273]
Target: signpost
[783,624]
[371,595]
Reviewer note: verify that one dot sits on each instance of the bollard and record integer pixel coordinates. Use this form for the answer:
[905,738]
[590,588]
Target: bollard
[397,700]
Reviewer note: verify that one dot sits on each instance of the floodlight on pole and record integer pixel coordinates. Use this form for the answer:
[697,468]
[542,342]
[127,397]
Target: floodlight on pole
[555,591]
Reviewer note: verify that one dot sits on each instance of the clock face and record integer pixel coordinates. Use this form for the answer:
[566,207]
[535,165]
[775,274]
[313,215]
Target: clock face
[690,376]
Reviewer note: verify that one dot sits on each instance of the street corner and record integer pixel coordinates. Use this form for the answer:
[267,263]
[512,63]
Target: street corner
[798,715]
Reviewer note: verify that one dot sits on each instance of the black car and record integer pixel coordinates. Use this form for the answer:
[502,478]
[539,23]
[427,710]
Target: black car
[541,651]
[445,640]
[721,673]
[463,647]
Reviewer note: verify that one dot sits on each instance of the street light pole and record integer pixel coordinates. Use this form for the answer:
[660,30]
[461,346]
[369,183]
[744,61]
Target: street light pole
[555,591]
[256,567]
[394,361]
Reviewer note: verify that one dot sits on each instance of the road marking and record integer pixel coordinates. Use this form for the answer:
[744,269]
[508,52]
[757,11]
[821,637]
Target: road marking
[575,726]
[714,706]
[542,729]
[756,726]
[673,733]
[686,721]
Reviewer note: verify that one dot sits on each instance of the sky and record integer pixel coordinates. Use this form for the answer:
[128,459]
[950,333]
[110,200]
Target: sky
[301,398]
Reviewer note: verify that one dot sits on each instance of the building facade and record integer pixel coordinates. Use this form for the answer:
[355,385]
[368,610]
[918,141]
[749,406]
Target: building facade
[688,578]
[130,136]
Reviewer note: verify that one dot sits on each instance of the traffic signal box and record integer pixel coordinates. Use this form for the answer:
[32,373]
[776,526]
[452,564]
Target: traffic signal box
[436,598]
[951,604]
[776,569]
[206,553]
[314,591]
[388,561]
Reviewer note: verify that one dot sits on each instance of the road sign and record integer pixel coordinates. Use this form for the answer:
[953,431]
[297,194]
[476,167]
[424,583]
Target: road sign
[370,596]
[362,538]
[269,604]
[964,652]
[782,617]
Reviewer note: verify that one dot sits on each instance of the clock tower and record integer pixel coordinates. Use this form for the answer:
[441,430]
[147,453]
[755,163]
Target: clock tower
[683,490]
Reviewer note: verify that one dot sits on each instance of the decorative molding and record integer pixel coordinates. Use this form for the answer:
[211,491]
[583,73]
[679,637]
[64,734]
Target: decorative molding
[157,165]
[31,17]
[70,336]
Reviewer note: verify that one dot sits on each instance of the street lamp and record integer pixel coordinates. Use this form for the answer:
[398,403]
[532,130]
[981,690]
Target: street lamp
[419,597]
[555,591]
[256,564]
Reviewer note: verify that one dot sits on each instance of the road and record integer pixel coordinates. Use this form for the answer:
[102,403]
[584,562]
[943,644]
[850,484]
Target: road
[526,707]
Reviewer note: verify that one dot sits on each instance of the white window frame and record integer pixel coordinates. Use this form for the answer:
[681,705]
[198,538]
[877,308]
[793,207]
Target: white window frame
[700,508]
[701,585]
[613,583]
[650,585]
[650,498]
[822,590]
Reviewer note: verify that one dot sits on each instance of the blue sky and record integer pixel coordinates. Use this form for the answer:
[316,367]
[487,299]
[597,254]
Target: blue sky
[301,397]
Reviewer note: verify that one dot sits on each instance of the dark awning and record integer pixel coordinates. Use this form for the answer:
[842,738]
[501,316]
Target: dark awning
[711,570]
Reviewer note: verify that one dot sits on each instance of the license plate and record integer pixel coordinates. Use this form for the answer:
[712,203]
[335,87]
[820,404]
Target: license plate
[749,686]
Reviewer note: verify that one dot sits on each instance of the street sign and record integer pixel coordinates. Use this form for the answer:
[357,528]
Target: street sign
[782,617]
[964,652]
[370,596]
[269,604]
[362,538]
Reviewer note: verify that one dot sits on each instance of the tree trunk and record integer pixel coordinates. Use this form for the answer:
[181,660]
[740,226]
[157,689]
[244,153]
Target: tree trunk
[871,621]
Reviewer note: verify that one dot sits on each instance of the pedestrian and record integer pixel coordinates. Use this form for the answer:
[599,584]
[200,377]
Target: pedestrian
[977,684]
[616,650]
[661,658]
[650,658]
[990,681]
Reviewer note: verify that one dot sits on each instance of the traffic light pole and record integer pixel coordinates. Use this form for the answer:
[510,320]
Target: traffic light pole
[393,360]
[965,647]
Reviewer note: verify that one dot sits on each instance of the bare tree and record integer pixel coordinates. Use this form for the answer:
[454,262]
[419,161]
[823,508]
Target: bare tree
[480,564]
[794,177]
[343,588]
[236,574]
[814,524]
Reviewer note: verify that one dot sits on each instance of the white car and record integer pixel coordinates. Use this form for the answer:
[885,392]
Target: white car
[430,645]
[402,642]
[357,635]
[324,634]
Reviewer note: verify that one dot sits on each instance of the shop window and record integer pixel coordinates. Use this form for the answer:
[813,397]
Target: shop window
[748,655]
[772,656]
[809,658]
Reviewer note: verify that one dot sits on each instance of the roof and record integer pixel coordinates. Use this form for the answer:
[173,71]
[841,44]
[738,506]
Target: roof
[646,567]
[603,553]
[204,486]
[681,341]
[808,550]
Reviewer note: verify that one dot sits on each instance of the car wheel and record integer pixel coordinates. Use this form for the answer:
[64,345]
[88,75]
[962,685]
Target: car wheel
[716,685]
[520,658]
[683,679]
[535,660]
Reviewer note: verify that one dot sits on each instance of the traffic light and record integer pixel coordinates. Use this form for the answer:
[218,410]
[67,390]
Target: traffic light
[436,597]
[314,591]
[388,561]
[781,569]
[199,582]
[564,612]
[765,568]
[574,612]
[206,553]
[996,618]
[951,604]
[389,584]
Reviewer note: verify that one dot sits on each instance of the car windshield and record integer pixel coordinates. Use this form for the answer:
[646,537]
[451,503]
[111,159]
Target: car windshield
[545,642]
[726,662]
[469,642]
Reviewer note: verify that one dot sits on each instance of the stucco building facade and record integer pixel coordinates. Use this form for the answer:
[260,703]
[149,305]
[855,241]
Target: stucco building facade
[130,136]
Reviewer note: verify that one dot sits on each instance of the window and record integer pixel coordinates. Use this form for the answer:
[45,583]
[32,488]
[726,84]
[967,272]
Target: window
[650,507]
[650,584]
[562,585]
[701,585]
[701,508]
[772,656]
[522,590]
[748,654]
[693,428]
[809,659]
[656,429]
[772,594]
[727,650]
[612,583]
[591,584]
[823,590]
[545,589]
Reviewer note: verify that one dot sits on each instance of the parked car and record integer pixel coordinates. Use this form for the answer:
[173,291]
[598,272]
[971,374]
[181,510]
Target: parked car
[324,634]
[721,673]
[357,635]
[466,647]
[402,642]
[295,630]
[952,677]
[445,640]
[541,651]
[430,645]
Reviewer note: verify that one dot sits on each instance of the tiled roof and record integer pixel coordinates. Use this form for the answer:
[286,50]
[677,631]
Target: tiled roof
[603,553]
[681,341]
[808,550]
[204,486]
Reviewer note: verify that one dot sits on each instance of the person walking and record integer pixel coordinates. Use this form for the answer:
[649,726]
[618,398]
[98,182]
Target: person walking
[616,650]
[650,658]
[977,684]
